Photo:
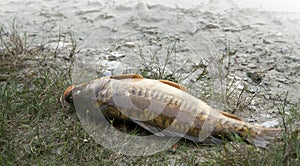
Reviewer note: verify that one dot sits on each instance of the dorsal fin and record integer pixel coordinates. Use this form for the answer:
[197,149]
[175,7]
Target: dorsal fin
[229,115]
[176,85]
[126,76]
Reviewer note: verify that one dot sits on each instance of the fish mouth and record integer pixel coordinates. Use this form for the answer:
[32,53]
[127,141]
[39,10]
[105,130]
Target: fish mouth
[68,94]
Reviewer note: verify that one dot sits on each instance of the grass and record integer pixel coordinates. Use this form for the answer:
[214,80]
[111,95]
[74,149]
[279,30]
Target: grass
[36,129]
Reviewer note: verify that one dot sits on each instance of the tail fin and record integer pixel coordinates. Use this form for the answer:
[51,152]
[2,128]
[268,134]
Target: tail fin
[265,136]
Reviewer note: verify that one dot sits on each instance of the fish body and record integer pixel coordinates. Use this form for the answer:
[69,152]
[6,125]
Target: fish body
[166,109]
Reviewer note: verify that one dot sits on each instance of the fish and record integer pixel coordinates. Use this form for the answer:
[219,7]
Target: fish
[165,108]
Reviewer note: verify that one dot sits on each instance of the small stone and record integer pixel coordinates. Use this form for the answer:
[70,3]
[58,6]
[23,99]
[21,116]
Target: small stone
[250,120]
[284,51]
[266,82]
[266,116]
[278,34]
[256,77]
[114,30]
[266,41]
[85,140]
[252,107]
[240,86]
[272,111]
[267,88]
[111,57]
[250,51]
[114,56]
[254,89]
[231,30]
[129,44]
[193,30]
[106,73]
[272,123]
[2,51]
[58,151]
[211,26]
[283,80]
[108,68]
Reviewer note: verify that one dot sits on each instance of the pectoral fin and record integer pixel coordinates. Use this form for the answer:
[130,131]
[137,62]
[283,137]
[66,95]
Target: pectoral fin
[176,85]
[152,129]
[126,76]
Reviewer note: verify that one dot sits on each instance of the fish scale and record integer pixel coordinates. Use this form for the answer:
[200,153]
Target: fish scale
[160,105]
[166,98]
[160,121]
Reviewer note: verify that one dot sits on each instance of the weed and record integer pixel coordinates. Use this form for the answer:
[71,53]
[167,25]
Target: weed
[64,38]
[159,60]
[12,42]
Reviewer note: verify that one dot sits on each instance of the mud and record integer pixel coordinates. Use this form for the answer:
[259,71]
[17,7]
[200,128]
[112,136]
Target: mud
[257,50]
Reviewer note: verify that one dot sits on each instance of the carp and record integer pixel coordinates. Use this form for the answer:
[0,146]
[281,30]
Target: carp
[166,108]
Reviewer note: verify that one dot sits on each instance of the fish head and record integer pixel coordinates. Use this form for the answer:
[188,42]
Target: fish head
[68,97]
[96,86]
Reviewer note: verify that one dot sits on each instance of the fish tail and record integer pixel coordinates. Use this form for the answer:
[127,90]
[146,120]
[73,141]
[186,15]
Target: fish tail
[264,136]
